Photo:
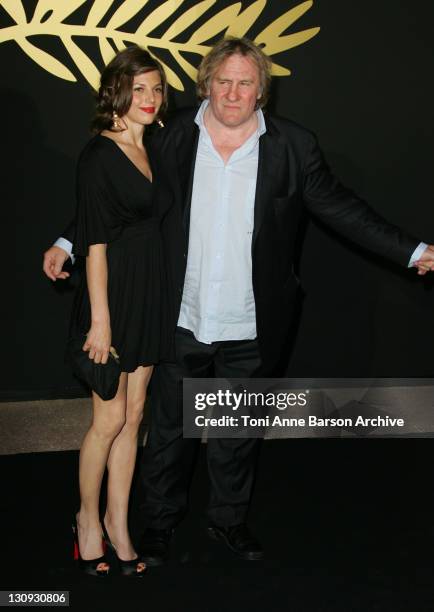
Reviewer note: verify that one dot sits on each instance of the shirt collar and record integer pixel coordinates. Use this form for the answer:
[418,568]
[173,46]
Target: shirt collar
[199,119]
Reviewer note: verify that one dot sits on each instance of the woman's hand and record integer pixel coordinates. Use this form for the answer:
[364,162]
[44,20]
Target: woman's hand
[99,336]
[98,341]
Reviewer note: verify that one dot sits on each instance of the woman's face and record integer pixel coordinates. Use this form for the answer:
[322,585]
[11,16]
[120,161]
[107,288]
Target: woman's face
[147,98]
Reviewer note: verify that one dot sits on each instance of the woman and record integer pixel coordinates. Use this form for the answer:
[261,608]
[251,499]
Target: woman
[121,301]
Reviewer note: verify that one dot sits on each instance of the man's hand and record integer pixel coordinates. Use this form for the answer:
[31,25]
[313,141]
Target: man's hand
[426,262]
[54,259]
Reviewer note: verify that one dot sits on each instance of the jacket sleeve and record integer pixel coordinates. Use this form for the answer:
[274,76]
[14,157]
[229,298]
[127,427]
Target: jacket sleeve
[69,231]
[342,210]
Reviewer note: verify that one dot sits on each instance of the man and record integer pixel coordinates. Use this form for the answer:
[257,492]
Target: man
[241,179]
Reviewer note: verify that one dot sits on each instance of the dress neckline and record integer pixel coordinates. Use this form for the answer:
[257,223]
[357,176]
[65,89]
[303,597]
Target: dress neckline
[126,156]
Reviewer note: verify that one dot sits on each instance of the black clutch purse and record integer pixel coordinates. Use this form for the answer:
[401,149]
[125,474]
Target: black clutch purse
[101,378]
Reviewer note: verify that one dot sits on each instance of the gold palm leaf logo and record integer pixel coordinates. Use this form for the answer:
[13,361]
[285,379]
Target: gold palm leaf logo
[50,15]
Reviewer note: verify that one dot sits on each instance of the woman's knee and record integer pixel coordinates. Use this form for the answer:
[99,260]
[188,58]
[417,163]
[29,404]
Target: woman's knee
[135,412]
[136,396]
[108,428]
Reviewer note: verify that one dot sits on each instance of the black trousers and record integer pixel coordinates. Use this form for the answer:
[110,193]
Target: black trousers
[168,458]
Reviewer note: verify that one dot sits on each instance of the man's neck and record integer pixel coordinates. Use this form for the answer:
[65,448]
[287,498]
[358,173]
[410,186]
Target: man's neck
[229,136]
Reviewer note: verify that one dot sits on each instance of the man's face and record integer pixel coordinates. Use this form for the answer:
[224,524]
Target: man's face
[234,90]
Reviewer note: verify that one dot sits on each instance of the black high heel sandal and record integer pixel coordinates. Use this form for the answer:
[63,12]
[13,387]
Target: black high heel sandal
[88,566]
[126,568]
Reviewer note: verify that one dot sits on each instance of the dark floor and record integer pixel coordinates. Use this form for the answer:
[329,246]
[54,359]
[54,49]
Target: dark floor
[347,525]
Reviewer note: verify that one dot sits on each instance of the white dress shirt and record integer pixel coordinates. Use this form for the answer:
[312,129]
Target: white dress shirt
[217,301]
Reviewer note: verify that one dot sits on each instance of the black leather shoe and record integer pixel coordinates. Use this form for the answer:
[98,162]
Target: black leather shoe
[239,540]
[154,546]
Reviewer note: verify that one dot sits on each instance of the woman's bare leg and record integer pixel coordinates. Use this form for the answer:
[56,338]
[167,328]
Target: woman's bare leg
[108,420]
[121,464]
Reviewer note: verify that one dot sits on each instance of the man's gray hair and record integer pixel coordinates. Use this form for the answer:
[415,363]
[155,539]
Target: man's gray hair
[224,49]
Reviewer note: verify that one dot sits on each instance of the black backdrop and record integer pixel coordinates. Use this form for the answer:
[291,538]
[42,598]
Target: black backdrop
[363,84]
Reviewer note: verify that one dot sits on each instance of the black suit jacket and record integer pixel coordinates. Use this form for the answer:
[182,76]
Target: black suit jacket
[292,173]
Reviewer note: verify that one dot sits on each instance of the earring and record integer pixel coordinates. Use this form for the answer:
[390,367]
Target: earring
[116,121]
[160,123]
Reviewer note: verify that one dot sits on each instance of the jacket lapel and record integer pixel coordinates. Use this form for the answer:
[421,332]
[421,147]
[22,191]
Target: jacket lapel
[271,158]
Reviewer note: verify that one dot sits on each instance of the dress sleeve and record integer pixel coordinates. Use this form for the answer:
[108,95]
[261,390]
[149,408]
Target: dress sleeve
[97,221]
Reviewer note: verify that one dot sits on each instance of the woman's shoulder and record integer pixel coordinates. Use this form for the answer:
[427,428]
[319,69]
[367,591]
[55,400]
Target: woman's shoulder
[97,153]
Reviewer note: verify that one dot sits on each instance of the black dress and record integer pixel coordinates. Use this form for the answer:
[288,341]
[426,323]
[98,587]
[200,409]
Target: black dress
[118,205]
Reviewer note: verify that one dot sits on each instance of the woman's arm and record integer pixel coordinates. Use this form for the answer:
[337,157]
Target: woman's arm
[99,336]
